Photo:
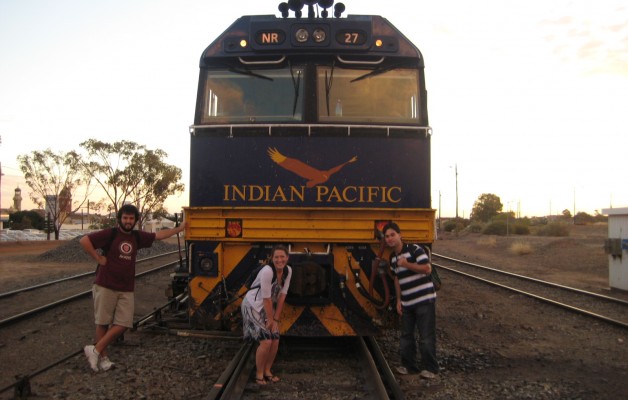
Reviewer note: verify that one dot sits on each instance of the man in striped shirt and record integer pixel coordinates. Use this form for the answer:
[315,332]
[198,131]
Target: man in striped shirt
[416,303]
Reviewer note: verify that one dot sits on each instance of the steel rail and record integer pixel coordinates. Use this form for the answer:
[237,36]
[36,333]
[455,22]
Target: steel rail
[384,369]
[541,298]
[528,278]
[86,293]
[374,378]
[69,278]
[231,383]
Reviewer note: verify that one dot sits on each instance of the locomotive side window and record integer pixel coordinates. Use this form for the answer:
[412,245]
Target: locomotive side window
[251,97]
[359,96]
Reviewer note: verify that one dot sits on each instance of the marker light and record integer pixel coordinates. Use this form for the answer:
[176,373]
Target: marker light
[243,43]
[319,35]
[378,43]
[301,35]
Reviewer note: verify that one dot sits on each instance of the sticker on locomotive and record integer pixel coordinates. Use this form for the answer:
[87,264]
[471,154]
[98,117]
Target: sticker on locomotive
[313,176]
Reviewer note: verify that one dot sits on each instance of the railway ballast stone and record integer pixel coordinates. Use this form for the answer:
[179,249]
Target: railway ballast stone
[72,252]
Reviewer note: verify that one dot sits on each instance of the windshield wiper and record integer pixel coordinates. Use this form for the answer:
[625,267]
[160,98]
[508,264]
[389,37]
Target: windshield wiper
[249,73]
[375,72]
[296,83]
[328,82]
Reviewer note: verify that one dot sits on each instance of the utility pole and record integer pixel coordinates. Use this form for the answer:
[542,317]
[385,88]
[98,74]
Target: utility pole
[574,205]
[439,207]
[1,226]
[456,191]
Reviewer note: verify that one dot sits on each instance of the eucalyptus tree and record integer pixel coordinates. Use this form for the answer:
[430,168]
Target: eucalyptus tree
[128,172]
[57,183]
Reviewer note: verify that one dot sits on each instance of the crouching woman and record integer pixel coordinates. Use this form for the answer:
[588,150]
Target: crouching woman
[261,312]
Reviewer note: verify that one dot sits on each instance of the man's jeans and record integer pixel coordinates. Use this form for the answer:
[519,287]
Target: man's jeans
[422,317]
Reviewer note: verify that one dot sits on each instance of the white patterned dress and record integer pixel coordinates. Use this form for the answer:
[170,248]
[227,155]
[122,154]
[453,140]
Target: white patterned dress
[253,312]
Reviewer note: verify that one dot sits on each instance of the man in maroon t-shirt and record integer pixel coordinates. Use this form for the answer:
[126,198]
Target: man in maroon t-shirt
[115,279]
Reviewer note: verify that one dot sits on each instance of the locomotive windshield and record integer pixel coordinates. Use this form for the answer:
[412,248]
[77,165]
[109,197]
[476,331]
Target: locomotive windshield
[351,95]
[343,95]
[243,96]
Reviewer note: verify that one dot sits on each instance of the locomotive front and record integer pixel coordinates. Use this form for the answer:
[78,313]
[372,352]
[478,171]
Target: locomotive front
[310,132]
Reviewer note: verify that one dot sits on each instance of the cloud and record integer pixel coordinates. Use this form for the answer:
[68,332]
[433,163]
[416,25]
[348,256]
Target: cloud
[592,37]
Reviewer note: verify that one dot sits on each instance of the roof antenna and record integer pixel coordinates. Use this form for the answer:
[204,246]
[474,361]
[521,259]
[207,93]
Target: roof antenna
[325,4]
[310,7]
[339,8]
[296,6]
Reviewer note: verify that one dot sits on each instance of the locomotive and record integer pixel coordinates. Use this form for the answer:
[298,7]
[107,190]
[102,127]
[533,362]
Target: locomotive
[310,130]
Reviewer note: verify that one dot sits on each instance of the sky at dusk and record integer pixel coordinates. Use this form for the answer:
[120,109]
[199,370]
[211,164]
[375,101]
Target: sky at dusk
[527,100]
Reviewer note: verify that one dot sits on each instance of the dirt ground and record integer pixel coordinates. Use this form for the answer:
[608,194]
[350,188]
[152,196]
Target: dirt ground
[575,260]
[17,264]
[491,346]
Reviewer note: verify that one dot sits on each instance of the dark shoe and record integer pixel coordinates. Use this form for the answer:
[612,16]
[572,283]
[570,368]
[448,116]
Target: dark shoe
[272,378]
[427,374]
[402,370]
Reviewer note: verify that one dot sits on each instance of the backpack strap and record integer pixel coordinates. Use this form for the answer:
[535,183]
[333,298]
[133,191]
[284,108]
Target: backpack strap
[107,247]
[284,276]
[257,272]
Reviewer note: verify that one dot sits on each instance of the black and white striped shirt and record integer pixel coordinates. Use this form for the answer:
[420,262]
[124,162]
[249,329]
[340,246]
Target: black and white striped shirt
[415,287]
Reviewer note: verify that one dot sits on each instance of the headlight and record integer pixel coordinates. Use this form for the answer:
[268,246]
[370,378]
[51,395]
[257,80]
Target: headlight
[302,35]
[206,264]
[319,35]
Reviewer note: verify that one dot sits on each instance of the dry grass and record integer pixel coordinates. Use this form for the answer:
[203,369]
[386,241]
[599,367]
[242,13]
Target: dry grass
[490,241]
[521,248]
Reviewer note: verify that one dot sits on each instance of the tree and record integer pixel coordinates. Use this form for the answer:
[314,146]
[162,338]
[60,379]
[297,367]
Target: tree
[21,220]
[486,207]
[159,180]
[54,179]
[130,173]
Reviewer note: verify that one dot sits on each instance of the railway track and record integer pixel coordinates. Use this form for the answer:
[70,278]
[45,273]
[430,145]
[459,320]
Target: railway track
[139,263]
[351,368]
[609,309]
[54,322]
[27,301]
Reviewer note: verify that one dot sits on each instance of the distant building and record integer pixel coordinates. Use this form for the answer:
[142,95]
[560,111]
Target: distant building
[154,225]
[17,200]
[65,201]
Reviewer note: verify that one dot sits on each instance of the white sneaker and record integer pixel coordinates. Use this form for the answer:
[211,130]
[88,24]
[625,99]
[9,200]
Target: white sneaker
[427,374]
[105,363]
[92,356]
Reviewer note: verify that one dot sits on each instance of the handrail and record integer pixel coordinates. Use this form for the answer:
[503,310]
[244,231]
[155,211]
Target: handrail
[263,62]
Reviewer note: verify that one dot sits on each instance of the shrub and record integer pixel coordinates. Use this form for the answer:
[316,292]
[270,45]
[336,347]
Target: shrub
[454,225]
[555,229]
[450,226]
[475,227]
[519,229]
[495,228]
